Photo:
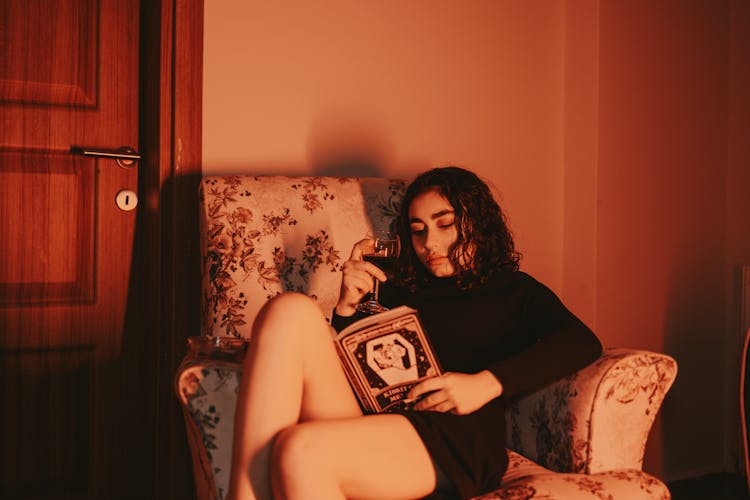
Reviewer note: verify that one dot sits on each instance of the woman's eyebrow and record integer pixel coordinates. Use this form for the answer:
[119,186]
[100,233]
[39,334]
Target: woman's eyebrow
[439,214]
[434,216]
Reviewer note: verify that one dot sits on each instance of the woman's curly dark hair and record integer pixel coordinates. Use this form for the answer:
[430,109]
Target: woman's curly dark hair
[484,239]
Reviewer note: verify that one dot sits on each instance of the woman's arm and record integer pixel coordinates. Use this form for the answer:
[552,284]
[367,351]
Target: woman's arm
[559,345]
[458,393]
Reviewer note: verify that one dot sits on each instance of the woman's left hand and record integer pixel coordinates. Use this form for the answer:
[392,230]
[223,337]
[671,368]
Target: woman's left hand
[458,393]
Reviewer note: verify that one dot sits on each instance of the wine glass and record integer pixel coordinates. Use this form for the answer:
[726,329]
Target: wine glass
[386,249]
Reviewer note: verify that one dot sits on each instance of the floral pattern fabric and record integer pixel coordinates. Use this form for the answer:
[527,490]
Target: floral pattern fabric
[548,427]
[584,401]
[261,236]
[525,479]
[207,384]
[581,437]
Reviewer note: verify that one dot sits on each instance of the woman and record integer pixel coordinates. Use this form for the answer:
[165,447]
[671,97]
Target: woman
[497,332]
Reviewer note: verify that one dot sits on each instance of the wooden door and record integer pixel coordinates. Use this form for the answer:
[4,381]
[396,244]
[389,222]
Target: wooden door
[70,409]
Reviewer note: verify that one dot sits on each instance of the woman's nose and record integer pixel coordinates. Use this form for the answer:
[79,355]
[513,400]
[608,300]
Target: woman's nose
[430,242]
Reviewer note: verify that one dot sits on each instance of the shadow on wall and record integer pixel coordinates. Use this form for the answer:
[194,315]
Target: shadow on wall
[693,413]
[338,146]
[344,144]
[348,145]
[166,257]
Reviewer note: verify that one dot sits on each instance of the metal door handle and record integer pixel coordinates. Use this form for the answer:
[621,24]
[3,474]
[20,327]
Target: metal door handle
[125,155]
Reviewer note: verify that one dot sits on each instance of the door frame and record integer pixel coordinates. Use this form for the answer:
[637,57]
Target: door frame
[168,270]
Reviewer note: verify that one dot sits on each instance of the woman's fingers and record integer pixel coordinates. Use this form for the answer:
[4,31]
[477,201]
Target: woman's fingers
[355,262]
[434,401]
[441,406]
[459,393]
[354,271]
[356,281]
[361,268]
[438,394]
[375,272]
[357,277]
[361,283]
[362,247]
[429,395]
[428,385]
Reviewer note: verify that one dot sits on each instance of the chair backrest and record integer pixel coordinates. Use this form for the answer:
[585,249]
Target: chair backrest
[261,236]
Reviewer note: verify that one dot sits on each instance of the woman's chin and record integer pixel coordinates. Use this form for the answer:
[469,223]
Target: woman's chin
[441,269]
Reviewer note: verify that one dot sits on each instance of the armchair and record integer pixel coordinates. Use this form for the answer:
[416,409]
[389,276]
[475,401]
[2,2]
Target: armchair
[580,437]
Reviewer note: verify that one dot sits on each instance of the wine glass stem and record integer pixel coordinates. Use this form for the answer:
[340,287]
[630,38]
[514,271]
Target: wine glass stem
[375,290]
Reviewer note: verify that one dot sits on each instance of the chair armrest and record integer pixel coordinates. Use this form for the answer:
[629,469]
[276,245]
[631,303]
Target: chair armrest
[597,419]
[207,390]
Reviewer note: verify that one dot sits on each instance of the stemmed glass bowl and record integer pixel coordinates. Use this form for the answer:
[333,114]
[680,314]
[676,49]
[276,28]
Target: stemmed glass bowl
[385,254]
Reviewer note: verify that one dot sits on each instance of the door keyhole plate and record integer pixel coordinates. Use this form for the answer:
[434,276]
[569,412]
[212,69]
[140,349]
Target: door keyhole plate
[126,200]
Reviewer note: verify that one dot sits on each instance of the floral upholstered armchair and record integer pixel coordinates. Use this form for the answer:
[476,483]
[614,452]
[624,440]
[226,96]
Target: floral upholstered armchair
[581,437]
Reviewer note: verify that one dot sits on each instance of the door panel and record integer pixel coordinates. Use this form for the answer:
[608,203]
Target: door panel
[68,77]
[50,419]
[52,196]
[71,80]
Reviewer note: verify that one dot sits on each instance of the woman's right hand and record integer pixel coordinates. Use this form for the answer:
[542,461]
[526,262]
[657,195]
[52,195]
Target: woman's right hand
[356,278]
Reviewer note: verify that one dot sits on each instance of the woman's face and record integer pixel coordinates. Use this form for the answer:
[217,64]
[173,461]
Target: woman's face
[432,224]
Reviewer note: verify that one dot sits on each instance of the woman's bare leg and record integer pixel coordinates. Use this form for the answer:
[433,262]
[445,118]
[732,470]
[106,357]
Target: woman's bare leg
[377,456]
[291,373]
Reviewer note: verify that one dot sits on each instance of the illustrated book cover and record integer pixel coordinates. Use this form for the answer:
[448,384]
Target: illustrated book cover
[384,356]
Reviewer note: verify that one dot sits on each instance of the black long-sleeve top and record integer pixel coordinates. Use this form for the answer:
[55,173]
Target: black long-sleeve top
[513,326]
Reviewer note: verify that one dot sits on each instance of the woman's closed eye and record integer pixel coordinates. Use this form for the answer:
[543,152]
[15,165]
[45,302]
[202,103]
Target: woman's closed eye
[445,222]
[422,229]
[417,229]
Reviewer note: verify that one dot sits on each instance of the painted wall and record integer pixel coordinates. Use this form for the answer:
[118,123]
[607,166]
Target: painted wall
[391,88]
[670,234]
[612,132]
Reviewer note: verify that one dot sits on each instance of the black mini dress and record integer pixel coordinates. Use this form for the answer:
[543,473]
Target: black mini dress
[513,326]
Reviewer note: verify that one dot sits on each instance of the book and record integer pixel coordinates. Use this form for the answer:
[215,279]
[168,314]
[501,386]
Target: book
[384,355]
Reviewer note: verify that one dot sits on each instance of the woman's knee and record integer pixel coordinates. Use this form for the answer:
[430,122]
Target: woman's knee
[291,313]
[295,460]
[286,300]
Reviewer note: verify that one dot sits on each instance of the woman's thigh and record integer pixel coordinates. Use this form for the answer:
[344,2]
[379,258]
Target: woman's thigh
[375,456]
[293,361]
